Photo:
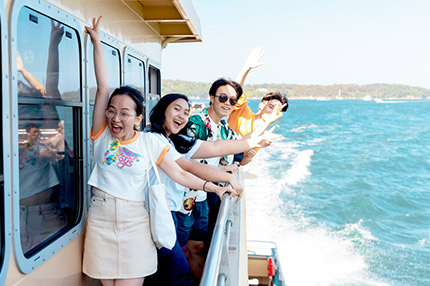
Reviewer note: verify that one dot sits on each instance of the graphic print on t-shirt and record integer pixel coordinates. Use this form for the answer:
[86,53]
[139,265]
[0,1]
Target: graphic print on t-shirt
[28,155]
[125,157]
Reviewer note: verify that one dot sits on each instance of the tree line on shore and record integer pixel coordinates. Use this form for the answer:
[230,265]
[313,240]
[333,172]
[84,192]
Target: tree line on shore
[347,91]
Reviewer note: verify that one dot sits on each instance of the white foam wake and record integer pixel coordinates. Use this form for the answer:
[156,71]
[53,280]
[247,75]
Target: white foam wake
[310,254]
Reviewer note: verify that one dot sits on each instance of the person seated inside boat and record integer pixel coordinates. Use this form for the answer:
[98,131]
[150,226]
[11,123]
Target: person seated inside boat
[242,120]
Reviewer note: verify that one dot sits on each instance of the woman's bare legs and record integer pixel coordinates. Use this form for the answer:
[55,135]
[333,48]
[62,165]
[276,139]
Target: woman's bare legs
[123,282]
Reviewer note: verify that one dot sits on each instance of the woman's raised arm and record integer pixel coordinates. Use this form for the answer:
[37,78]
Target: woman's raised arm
[102,93]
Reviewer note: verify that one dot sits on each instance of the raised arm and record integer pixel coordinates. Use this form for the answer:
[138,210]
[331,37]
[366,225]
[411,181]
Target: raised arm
[186,179]
[28,76]
[52,70]
[102,93]
[209,149]
[253,61]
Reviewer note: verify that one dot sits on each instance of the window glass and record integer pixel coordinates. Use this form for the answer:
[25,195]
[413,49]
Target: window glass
[46,172]
[135,76]
[112,60]
[154,89]
[154,80]
[47,58]
[48,134]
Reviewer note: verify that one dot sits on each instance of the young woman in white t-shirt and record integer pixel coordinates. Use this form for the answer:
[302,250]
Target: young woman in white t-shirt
[118,245]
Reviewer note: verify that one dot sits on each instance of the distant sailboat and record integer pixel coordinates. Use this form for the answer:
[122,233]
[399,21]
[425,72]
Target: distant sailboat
[339,95]
[367,98]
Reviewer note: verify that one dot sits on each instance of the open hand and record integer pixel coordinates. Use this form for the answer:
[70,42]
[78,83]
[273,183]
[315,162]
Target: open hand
[254,58]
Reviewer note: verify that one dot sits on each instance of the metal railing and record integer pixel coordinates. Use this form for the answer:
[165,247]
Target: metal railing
[213,259]
[226,261]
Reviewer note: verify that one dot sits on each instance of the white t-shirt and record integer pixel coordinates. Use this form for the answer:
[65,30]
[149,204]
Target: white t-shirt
[120,166]
[175,192]
[36,173]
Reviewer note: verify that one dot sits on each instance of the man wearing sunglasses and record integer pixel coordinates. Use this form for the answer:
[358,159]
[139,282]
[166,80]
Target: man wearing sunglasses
[242,120]
[207,124]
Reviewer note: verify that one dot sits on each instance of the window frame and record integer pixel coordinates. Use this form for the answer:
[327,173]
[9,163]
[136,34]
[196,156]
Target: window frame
[6,231]
[110,41]
[128,51]
[27,265]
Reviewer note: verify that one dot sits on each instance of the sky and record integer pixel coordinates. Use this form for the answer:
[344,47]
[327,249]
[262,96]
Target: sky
[320,42]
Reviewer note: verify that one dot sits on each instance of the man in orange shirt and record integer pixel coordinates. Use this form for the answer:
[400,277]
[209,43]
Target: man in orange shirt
[242,120]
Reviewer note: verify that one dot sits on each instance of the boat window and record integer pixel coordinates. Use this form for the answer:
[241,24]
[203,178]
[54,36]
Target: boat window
[49,130]
[135,74]
[47,58]
[112,60]
[154,88]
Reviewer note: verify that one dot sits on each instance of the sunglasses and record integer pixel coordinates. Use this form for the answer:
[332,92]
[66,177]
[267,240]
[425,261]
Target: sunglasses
[223,98]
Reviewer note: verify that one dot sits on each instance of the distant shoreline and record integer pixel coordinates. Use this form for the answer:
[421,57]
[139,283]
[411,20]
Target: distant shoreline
[332,99]
[369,92]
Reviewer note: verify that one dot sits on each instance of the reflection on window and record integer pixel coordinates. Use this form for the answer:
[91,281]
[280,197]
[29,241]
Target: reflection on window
[47,58]
[46,171]
[112,60]
[48,64]
[135,76]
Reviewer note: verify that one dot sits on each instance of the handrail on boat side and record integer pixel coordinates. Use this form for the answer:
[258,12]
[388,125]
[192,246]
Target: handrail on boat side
[213,259]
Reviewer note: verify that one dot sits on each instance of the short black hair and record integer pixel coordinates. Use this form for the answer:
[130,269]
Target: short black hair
[225,81]
[276,95]
[158,113]
[31,126]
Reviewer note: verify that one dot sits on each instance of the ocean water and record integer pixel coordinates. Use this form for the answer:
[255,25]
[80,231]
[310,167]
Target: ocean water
[345,193]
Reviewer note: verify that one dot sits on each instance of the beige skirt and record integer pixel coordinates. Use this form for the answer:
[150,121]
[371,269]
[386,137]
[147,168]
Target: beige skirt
[118,243]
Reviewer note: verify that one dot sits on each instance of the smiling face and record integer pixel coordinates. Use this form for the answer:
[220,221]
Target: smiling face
[122,105]
[218,110]
[176,116]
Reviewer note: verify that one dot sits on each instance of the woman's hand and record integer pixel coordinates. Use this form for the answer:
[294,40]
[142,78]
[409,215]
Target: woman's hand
[229,168]
[57,32]
[94,31]
[220,191]
[19,64]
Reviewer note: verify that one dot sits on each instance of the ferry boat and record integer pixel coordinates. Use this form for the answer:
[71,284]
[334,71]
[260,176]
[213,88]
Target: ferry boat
[48,90]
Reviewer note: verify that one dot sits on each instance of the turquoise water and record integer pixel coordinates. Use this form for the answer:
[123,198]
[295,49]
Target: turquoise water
[346,193]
